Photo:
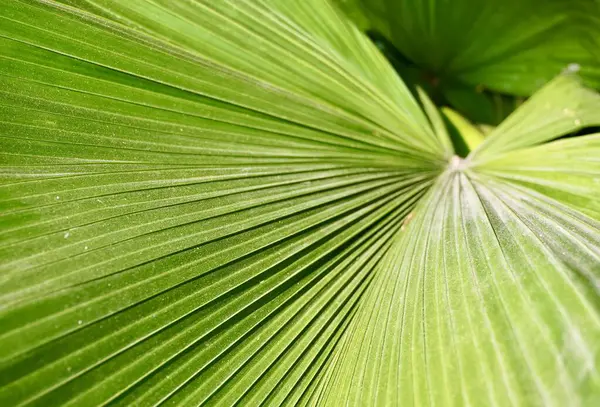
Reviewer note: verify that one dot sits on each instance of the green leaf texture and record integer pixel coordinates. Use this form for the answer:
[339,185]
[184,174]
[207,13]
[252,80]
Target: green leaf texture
[488,297]
[240,203]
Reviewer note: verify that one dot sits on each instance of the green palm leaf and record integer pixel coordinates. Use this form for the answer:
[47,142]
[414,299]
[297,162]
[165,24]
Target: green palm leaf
[509,46]
[483,57]
[240,203]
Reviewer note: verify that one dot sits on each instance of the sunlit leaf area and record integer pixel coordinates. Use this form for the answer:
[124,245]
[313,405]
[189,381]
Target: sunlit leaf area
[338,203]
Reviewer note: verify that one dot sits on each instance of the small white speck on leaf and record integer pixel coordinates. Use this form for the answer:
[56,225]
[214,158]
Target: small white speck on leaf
[66,235]
[79,322]
[407,220]
[573,67]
